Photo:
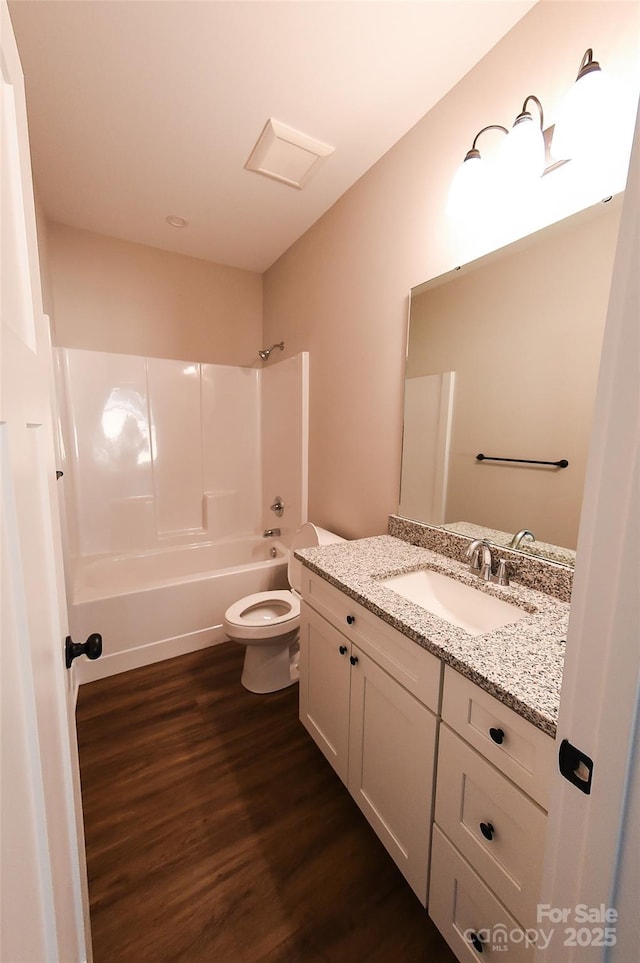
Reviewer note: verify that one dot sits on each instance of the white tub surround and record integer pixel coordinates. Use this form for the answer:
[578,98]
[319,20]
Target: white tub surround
[169,471]
[157,452]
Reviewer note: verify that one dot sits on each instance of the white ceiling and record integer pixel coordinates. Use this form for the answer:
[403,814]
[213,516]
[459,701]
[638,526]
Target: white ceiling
[143,109]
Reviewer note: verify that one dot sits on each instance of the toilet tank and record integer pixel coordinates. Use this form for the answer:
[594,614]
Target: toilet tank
[307,536]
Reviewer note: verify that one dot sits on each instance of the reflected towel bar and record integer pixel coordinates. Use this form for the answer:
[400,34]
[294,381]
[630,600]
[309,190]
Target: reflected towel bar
[563,463]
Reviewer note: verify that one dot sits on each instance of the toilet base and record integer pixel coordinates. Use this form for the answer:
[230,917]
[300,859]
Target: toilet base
[269,668]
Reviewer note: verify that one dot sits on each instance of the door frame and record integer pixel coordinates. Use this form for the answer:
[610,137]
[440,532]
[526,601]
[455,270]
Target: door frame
[45,888]
[585,856]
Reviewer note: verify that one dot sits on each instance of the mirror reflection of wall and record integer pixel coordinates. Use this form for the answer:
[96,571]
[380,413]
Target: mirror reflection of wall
[522,330]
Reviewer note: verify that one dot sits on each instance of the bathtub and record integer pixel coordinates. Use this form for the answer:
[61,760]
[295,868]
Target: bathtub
[156,605]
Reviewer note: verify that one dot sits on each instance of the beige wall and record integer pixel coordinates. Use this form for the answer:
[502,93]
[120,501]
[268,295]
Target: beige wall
[341,292]
[111,295]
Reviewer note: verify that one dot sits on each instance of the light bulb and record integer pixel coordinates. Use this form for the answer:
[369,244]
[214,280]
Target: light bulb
[467,186]
[523,153]
[587,114]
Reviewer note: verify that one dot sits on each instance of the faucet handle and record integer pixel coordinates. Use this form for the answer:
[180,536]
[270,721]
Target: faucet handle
[278,506]
[485,570]
[502,577]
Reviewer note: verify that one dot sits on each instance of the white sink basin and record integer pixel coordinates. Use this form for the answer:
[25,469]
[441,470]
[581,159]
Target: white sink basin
[455,602]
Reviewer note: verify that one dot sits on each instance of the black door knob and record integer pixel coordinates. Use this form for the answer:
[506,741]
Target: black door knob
[487,830]
[92,648]
[476,942]
[497,735]
[350,619]
[353,659]
[343,650]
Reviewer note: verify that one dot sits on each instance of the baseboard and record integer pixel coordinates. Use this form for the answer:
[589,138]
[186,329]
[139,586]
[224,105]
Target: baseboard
[116,662]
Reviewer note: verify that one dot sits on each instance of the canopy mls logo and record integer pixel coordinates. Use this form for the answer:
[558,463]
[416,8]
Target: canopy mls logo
[499,938]
[584,926]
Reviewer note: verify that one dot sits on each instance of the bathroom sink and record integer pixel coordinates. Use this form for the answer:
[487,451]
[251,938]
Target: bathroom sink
[457,603]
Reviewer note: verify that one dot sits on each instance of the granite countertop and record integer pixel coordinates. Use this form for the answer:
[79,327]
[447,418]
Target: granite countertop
[520,664]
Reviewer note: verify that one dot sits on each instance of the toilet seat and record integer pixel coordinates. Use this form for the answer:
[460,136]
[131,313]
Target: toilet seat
[264,615]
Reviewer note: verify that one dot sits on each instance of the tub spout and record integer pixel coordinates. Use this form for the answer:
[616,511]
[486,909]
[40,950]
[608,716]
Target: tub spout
[271,533]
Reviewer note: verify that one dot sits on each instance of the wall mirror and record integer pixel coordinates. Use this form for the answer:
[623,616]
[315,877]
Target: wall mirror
[502,360]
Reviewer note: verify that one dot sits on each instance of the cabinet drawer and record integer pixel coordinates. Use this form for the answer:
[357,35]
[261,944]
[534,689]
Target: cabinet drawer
[498,829]
[461,906]
[412,666]
[525,754]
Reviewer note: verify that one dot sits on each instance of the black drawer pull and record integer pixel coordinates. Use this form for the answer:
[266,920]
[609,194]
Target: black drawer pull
[497,735]
[476,942]
[350,619]
[343,650]
[353,659]
[487,830]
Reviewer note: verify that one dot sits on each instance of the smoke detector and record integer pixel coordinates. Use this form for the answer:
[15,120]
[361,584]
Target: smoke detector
[286,155]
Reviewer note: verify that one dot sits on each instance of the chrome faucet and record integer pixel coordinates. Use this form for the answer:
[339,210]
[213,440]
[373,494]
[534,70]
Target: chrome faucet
[523,533]
[479,552]
[271,533]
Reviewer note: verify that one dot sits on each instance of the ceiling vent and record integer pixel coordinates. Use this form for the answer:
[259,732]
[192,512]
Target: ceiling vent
[286,155]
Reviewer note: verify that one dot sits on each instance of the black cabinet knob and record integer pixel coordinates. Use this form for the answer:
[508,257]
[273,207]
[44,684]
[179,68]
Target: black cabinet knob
[353,659]
[476,942]
[350,619]
[497,735]
[487,830]
[92,648]
[343,650]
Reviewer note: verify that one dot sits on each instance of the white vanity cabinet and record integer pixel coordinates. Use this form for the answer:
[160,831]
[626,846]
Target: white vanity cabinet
[369,698]
[493,774]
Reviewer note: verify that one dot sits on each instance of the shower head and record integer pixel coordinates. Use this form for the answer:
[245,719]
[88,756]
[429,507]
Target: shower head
[264,354]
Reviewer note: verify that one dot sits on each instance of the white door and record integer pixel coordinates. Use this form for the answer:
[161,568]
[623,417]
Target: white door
[592,854]
[43,877]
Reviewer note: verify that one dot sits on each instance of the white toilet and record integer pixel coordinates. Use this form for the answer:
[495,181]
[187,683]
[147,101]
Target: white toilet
[268,623]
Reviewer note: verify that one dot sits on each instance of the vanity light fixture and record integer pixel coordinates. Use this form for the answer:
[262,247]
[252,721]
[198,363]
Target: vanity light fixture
[584,110]
[525,154]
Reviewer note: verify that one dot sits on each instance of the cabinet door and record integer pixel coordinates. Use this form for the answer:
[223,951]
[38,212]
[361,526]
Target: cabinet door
[324,687]
[391,759]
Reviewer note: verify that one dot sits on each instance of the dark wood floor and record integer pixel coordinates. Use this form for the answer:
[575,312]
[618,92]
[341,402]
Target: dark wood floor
[217,832]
